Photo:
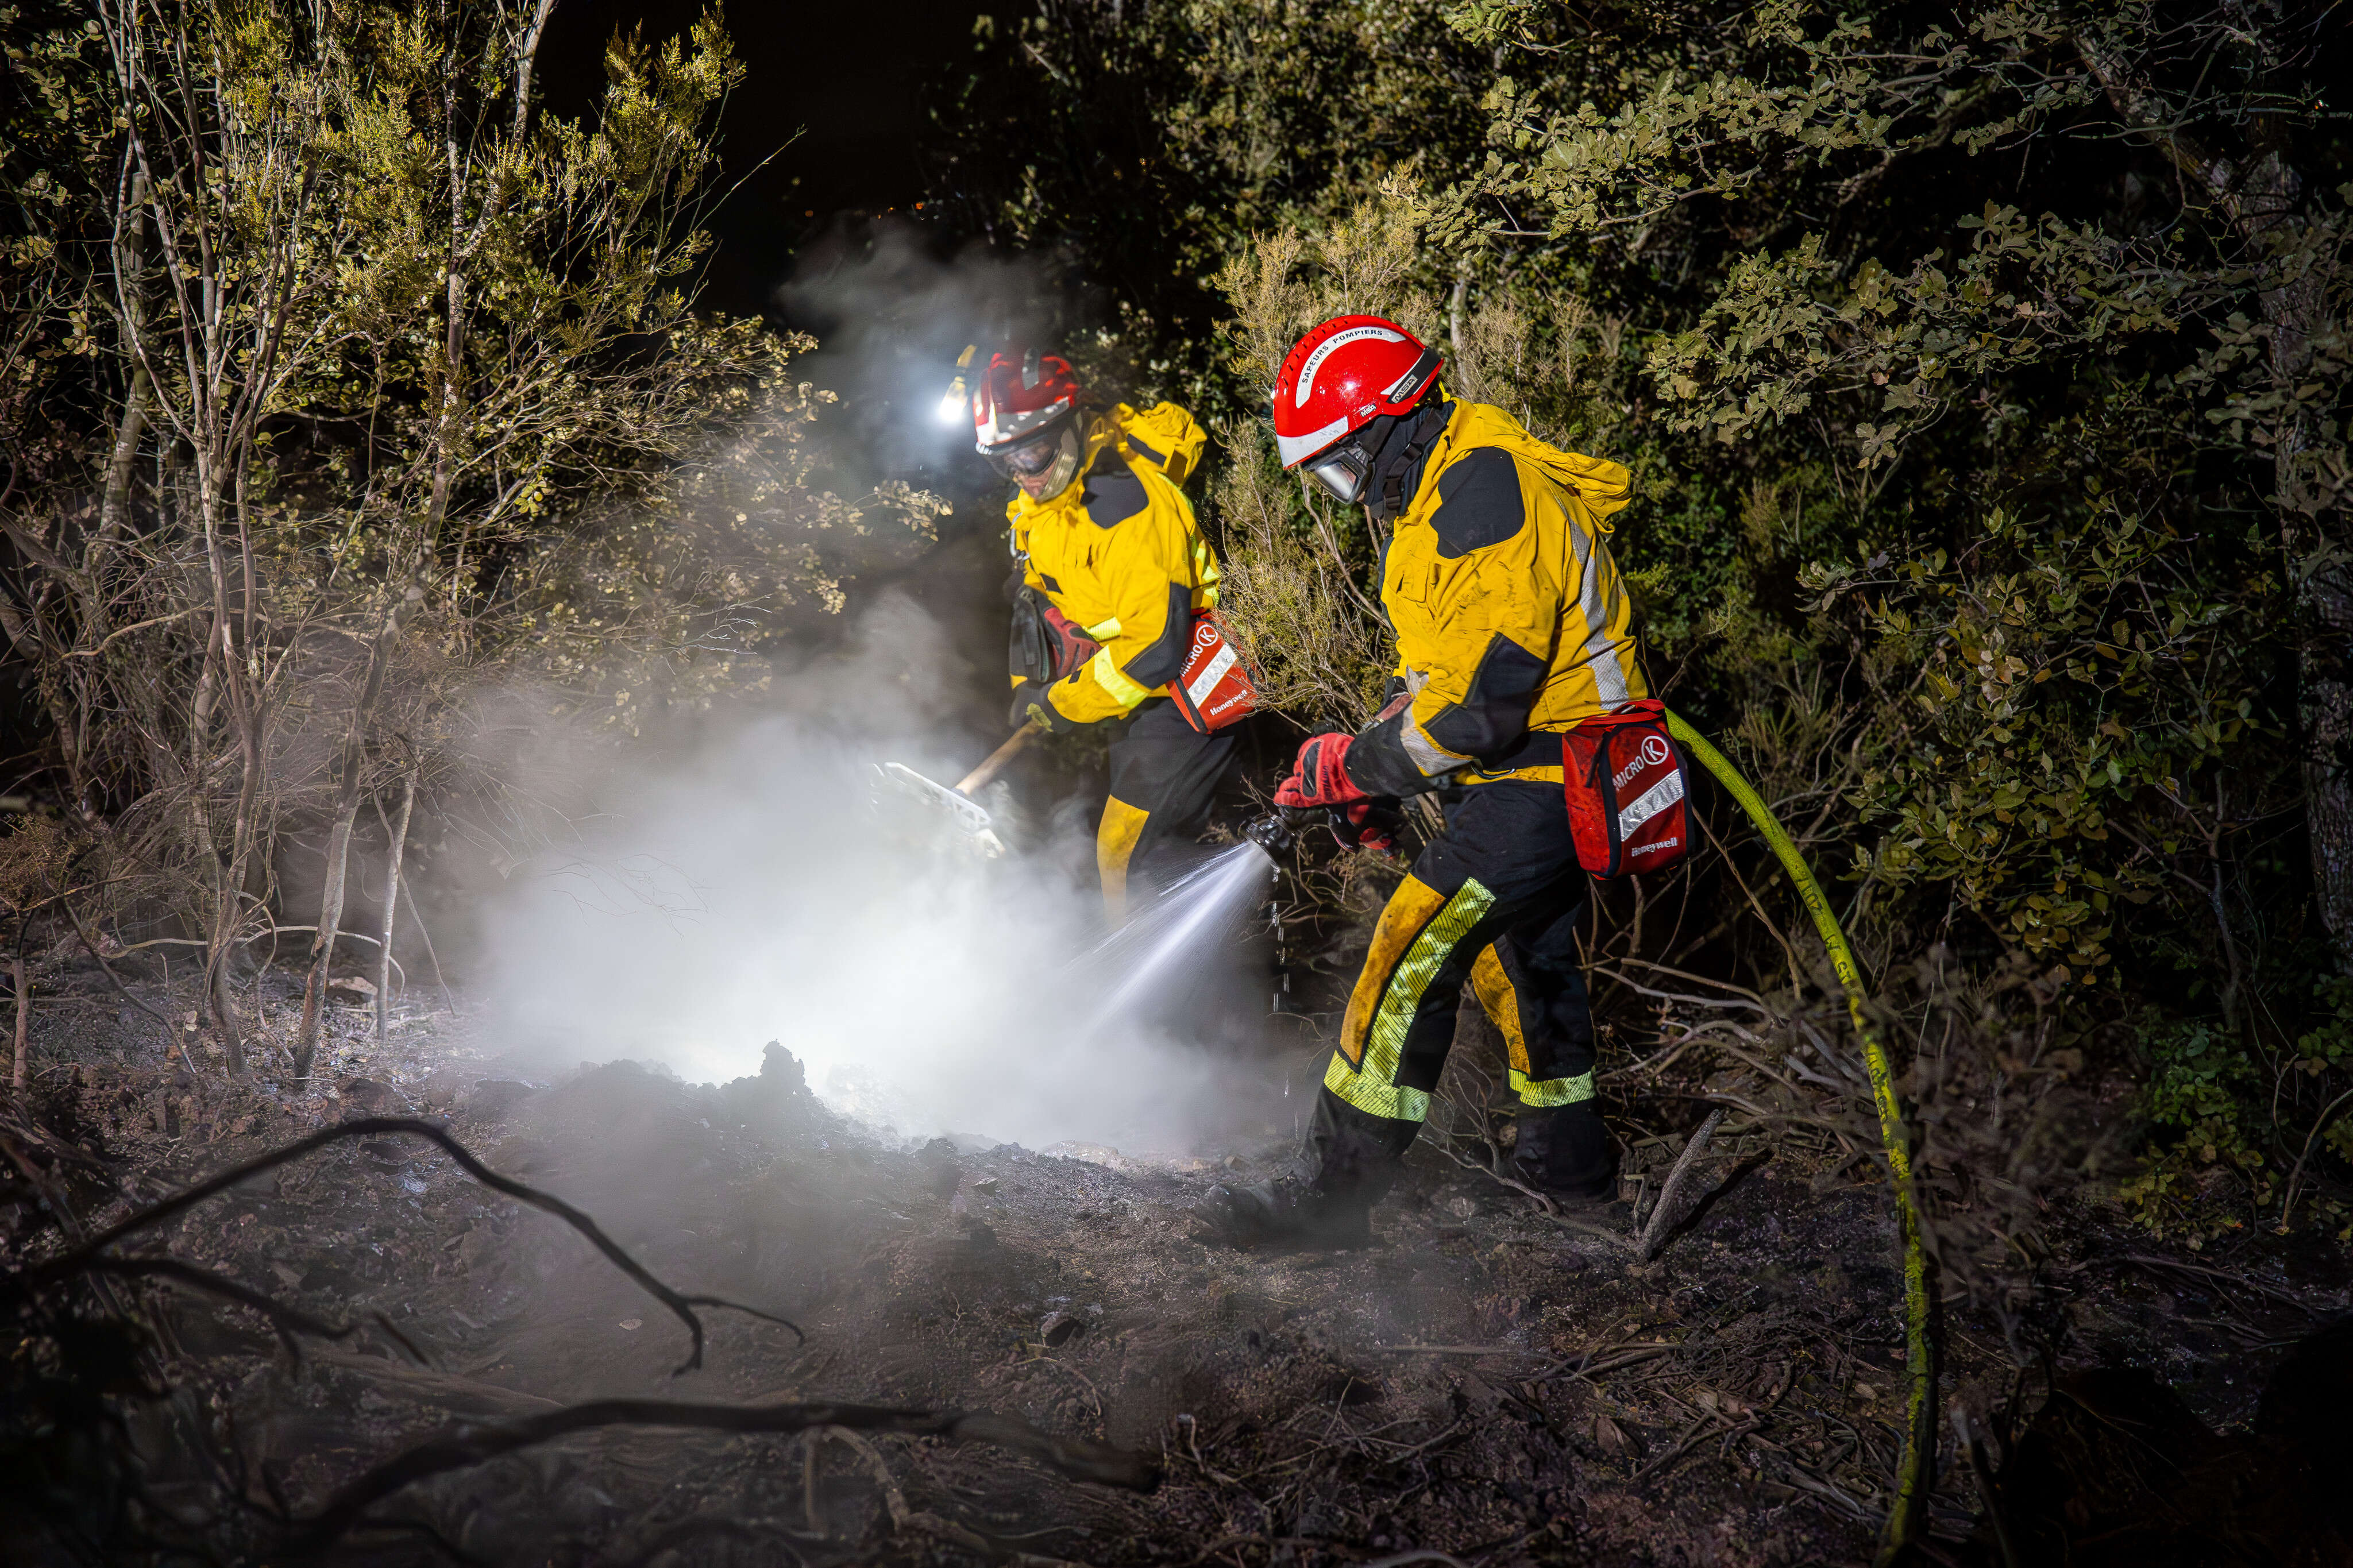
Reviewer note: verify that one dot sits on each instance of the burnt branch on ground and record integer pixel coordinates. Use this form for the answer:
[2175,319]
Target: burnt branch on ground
[680,1306]
[1070,1457]
[102,1346]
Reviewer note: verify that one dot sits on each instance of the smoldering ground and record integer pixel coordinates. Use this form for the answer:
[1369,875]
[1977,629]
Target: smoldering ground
[1482,1379]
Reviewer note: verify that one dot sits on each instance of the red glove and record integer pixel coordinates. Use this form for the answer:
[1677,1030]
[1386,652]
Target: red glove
[1320,777]
[1067,643]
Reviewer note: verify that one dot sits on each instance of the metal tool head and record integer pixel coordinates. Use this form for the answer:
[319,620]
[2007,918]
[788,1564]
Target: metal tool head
[968,814]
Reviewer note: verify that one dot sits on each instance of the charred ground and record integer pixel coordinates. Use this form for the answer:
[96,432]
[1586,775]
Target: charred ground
[1486,1380]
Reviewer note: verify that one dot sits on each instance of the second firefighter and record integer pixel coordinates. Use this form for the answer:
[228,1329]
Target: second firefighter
[1111,571]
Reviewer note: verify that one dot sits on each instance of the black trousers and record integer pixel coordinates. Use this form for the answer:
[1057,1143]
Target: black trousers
[1494,901]
[1164,779]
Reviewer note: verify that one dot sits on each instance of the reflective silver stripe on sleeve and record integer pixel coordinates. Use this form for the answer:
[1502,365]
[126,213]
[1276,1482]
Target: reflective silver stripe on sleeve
[1434,760]
[1600,651]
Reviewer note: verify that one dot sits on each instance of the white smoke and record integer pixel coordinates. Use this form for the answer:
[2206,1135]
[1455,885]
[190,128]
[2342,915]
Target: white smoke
[749,892]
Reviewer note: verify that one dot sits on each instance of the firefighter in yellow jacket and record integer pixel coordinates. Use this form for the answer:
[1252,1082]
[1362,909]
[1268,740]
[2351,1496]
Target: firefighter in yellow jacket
[1111,569]
[1513,627]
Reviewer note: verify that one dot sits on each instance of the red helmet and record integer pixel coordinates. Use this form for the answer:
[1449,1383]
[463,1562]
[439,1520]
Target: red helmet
[1341,377]
[1022,420]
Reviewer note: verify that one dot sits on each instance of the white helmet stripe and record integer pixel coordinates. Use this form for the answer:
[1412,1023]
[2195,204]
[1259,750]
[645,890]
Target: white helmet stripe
[1324,350]
[1291,448]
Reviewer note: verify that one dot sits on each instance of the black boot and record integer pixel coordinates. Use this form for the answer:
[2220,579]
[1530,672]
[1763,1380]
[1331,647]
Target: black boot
[1326,1197]
[1288,1209]
[1563,1151]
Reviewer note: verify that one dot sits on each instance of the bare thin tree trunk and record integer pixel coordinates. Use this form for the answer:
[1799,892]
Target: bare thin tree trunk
[114,509]
[17,1068]
[241,836]
[212,991]
[351,767]
[416,918]
[396,840]
[330,914]
[526,57]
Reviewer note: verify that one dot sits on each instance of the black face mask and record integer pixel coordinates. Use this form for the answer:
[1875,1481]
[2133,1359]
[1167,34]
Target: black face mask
[1346,468]
[1397,468]
[1374,465]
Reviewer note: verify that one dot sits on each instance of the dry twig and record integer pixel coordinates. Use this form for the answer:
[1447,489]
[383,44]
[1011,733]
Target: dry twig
[1654,1235]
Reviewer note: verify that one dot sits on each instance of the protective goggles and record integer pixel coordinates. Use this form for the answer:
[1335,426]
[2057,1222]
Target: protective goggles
[1346,467]
[1031,458]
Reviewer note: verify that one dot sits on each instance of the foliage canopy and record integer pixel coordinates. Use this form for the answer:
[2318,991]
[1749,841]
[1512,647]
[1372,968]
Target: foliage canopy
[1982,367]
[351,400]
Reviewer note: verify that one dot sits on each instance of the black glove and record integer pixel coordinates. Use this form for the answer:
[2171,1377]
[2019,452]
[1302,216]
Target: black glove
[1368,825]
[1029,702]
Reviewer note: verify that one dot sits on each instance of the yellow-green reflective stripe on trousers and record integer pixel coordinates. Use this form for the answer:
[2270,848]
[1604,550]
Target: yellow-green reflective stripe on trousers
[1372,1088]
[1544,1091]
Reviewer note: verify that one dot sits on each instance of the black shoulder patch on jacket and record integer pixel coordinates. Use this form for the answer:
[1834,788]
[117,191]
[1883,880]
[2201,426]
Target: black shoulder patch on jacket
[1164,661]
[1494,712]
[1158,459]
[1478,502]
[1114,494]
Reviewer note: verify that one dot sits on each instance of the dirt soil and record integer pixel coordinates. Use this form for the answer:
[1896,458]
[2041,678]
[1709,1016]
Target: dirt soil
[1486,1381]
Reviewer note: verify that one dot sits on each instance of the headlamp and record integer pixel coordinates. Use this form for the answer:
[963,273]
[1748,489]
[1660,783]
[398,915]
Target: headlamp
[955,400]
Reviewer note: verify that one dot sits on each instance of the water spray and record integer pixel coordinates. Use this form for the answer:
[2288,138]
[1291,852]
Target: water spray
[1154,950]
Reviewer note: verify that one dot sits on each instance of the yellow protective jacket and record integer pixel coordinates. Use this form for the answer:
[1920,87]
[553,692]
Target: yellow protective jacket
[1118,552]
[1512,624]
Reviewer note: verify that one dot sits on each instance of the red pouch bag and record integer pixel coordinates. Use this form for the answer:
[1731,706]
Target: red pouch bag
[1624,775]
[1216,688]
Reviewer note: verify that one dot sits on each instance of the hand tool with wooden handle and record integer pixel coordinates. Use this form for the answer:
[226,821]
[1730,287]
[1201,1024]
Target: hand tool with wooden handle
[961,808]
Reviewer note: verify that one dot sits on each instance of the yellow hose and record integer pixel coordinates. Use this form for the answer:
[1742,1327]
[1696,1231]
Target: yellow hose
[1918,1459]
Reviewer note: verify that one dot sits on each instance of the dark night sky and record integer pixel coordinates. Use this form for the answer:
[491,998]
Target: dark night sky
[853,80]
[849,86]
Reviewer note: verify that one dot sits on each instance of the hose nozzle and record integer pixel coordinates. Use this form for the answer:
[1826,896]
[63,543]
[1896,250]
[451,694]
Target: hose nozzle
[1278,830]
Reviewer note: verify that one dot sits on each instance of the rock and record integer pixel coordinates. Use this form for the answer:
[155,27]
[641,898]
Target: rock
[940,1155]
[778,1102]
[372,1097]
[352,990]
[497,1096]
